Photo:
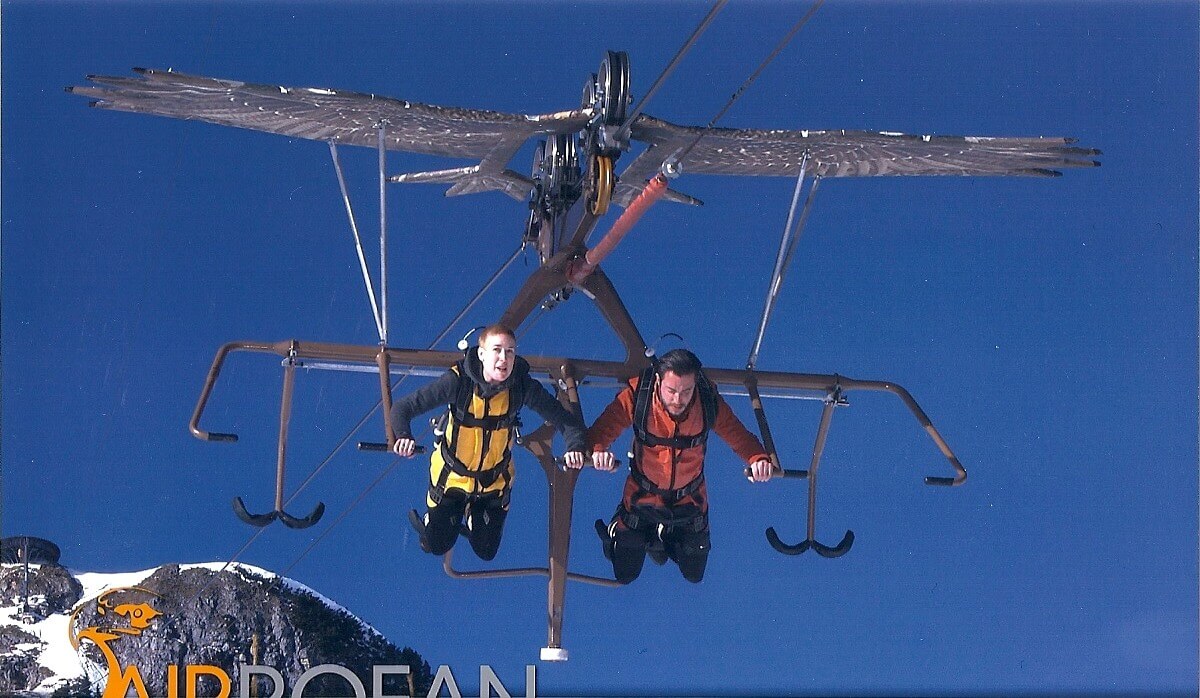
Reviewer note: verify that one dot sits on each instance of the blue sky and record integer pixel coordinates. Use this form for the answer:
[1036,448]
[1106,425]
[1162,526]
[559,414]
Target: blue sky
[1048,327]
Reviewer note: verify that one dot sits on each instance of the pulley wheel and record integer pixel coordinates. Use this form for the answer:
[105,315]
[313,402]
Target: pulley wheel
[601,181]
[613,83]
[560,168]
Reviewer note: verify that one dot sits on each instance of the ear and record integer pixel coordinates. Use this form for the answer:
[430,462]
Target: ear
[479,353]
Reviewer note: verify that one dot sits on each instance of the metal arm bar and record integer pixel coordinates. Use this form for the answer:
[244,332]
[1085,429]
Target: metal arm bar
[781,260]
[735,378]
[362,260]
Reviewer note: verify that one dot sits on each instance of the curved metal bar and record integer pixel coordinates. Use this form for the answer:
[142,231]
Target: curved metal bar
[960,473]
[368,355]
[837,551]
[830,383]
[448,567]
[213,373]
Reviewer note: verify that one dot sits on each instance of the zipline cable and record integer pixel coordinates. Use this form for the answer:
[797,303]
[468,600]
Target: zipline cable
[753,76]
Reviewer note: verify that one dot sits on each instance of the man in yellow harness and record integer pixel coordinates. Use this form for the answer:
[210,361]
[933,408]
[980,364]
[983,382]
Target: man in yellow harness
[471,470]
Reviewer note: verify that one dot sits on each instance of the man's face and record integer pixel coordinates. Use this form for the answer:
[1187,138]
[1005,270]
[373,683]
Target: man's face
[498,353]
[676,392]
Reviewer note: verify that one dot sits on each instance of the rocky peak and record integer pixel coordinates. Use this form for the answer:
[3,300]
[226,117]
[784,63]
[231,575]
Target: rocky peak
[179,616]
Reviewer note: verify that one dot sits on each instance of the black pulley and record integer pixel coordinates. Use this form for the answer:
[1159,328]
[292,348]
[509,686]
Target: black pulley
[612,84]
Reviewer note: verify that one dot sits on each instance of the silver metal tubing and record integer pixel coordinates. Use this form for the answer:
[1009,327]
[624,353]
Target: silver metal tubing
[812,194]
[362,260]
[363,368]
[777,272]
[775,395]
[383,235]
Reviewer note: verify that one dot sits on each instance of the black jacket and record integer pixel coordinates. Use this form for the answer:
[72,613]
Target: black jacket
[441,392]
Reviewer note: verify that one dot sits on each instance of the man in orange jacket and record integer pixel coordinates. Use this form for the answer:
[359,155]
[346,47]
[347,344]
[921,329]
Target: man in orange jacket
[664,510]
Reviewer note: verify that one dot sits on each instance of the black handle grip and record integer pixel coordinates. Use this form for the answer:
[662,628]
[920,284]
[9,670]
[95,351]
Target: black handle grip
[383,448]
[587,462]
[215,436]
[940,481]
[781,472]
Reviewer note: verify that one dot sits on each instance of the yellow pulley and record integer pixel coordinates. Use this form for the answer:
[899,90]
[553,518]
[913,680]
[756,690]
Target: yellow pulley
[602,182]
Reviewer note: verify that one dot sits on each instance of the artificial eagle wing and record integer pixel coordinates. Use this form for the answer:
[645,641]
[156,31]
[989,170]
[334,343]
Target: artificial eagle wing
[342,117]
[735,151]
[493,138]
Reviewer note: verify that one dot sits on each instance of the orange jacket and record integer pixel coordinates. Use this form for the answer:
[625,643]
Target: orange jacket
[666,467]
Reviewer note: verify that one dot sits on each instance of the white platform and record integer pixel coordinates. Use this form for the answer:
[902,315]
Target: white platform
[554,654]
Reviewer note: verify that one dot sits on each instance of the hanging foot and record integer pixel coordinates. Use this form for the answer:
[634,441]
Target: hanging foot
[296,522]
[259,520]
[838,550]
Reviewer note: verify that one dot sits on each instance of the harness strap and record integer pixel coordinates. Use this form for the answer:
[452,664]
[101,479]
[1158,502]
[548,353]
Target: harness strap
[460,410]
[644,484]
[650,517]
[485,478]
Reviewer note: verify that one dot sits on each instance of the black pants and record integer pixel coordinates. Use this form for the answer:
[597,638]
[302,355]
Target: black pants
[688,549]
[484,518]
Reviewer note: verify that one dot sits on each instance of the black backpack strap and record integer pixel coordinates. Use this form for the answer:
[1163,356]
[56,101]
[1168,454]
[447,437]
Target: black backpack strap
[641,413]
[641,404]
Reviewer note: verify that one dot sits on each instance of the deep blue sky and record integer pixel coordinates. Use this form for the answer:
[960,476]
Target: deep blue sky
[1048,327]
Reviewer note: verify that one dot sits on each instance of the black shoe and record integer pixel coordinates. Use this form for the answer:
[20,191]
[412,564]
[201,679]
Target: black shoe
[657,553]
[418,524]
[606,541]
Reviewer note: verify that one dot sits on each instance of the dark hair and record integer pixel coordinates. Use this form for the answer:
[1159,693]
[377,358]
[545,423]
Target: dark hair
[681,362]
[496,328]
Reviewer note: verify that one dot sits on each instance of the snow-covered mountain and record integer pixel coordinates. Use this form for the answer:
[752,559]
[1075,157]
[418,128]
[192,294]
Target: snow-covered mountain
[180,615]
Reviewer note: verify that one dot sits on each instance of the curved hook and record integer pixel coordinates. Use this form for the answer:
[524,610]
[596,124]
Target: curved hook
[823,550]
[261,520]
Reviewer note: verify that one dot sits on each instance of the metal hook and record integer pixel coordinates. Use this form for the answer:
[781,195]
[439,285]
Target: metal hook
[285,413]
[833,400]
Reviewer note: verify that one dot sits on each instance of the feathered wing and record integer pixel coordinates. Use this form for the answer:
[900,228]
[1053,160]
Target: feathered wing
[492,138]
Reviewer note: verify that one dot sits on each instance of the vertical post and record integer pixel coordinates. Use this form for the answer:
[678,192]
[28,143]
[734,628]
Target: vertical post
[285,415]
[254,658]
[818,448]
[761,416]
[561,484]
[385,387]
